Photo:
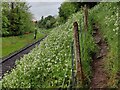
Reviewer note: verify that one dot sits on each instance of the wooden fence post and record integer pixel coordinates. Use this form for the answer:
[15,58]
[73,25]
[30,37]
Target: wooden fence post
[79,73]
[85,18]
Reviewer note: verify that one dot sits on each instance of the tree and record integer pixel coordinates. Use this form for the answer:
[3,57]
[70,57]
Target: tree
[47,22]
[16,18]
[88,4]
[66,9]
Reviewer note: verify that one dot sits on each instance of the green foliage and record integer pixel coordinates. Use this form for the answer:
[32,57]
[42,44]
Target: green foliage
[5,25]
[5,21]
[47,22]
[49,64]
[66,9]
[107,16]
[16,18]
[88,4]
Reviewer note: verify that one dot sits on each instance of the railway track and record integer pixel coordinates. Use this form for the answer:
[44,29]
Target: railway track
[7,63]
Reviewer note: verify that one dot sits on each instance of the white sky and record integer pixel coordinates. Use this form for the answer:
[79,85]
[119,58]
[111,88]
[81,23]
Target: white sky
[43,0]
[49,7]
[40,9]
[60,0]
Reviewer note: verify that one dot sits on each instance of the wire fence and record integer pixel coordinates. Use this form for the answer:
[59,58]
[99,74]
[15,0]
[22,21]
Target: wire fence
[76,53]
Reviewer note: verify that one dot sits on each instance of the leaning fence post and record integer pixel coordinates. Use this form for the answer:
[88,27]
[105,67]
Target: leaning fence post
[79,73]
[86,18]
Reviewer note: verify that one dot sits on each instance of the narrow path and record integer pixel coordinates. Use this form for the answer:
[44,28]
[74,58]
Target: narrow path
[99,79]
[8,63]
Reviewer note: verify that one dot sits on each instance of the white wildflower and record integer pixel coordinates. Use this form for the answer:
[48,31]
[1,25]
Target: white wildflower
[114,30]
[117,28]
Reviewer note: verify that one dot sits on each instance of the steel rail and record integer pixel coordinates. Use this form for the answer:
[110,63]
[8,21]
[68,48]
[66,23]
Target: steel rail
[16,56]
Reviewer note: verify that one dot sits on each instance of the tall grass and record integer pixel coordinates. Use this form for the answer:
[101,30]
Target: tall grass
[106,15]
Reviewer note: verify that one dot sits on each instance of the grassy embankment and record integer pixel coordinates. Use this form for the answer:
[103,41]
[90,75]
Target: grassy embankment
[106,16]
[49,64]
[11,44]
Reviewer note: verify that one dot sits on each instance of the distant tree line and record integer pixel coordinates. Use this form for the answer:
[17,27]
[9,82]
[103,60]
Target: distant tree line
[16,18]
[47,22]
[66,9]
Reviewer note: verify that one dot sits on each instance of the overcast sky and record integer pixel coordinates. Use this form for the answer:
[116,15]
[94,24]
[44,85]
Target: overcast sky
[40,9]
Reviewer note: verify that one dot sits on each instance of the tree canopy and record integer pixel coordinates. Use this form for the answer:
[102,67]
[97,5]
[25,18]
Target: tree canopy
[47,22]
[16,18]
[68,8]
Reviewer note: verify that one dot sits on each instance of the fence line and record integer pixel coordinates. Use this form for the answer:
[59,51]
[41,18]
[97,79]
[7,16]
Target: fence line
[79,73]
[79,49]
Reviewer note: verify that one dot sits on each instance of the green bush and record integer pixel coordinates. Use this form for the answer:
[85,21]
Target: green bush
[16,19]
[66,9]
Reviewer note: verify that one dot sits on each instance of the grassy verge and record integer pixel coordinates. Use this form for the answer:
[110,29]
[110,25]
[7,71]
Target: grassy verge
[14,43]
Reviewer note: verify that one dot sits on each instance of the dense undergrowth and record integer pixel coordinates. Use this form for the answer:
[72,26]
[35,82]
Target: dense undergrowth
[106,15]
[49,64]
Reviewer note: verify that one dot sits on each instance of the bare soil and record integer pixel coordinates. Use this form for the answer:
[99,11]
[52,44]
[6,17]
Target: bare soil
[100,78]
